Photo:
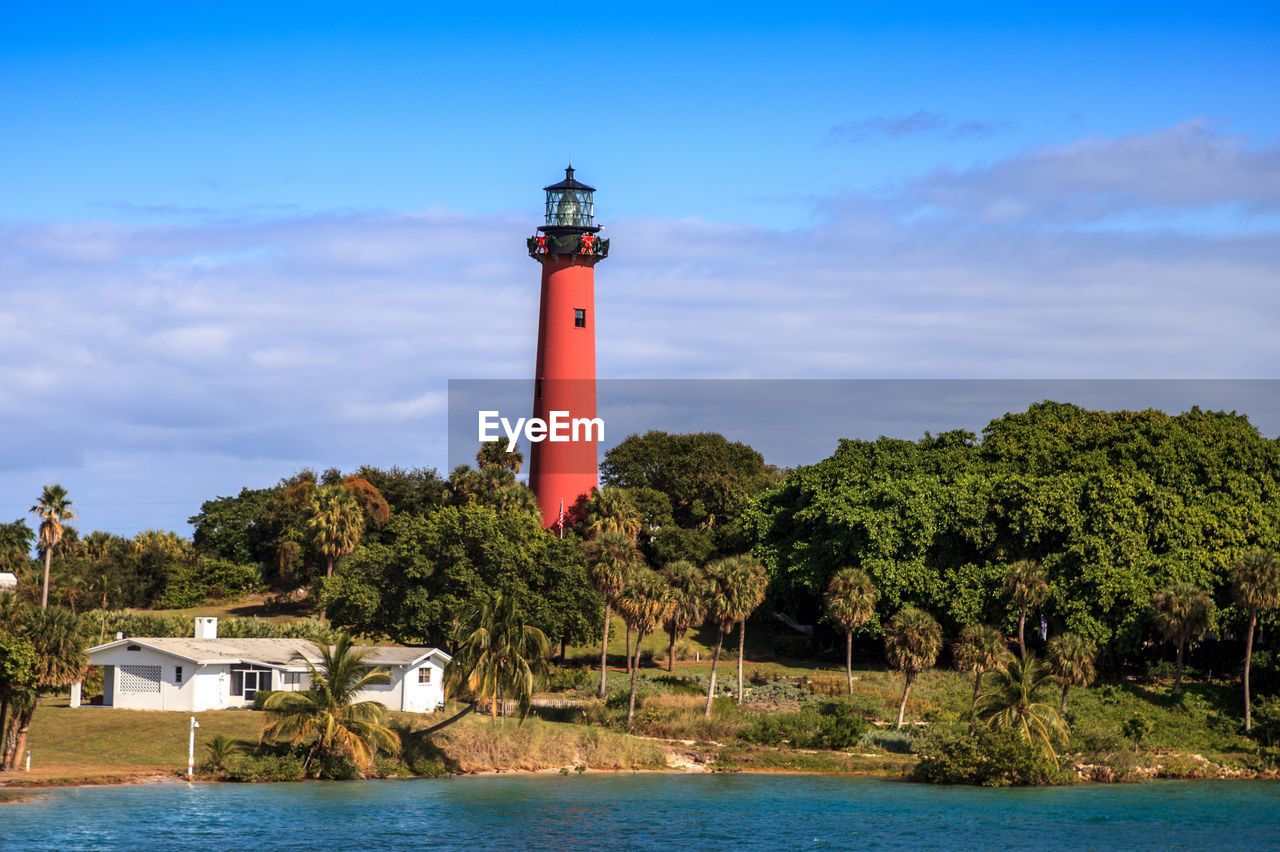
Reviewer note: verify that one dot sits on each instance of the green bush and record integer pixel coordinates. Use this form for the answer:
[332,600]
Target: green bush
[190,584]
[825,725]
[336,767]
[260,698]
[1136,729]
[267,767]
[897,742]
[1266,721]
[989,758]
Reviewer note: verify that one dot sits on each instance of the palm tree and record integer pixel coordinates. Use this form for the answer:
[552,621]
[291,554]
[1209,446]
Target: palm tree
[1183,612]
[1012,700]
[336,523]
[15,544]
[736,587]
[912,641]
[500,453]
[59,662]
[219,751]
[52,509]
[612,510]
[644,604]
[611,559]
[688,585]
[1256,587]
[851,601]
[979,649]
[499,657]
[1071,660]
[1029,587]
[327,715]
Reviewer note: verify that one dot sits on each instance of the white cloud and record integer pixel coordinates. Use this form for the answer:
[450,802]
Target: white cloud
[1188,165]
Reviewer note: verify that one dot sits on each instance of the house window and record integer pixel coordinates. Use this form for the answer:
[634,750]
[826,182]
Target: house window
[177,675]
[292,680]
[579,317]
[424,675]
[134,648]
[246,680]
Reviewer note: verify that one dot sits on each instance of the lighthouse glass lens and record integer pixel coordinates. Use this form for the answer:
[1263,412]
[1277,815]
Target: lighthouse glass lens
[569,208]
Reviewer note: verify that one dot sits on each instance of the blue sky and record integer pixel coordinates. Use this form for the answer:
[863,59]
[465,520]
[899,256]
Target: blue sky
[236,239]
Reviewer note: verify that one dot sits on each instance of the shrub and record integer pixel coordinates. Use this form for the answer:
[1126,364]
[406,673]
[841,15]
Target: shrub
[1136,729]
[1266,721]
[267,767]
[336,767]
[896,742]
[990,758]
[260,698]
[829,725]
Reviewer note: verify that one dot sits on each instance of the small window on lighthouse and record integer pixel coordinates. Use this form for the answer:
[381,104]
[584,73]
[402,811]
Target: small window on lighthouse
[579,317]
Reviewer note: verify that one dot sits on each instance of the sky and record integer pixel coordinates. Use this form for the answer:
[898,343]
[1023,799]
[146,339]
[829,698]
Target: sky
[240,239]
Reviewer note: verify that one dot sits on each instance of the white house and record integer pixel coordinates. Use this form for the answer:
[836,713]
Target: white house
[208,673]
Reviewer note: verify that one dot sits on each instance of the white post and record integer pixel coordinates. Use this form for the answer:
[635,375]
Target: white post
[75,694]
[28,760]
[191,748]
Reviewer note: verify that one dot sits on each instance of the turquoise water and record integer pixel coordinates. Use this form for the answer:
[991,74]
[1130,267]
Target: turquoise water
[645,812]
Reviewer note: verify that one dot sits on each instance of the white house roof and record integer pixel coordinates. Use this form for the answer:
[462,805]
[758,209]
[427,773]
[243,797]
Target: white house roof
[277,653]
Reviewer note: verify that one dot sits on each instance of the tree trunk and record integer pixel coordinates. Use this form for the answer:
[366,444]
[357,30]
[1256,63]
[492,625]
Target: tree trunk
[1248,657]
[635,669]
[848,658]
[977,688]
[1022,642]
[742,635]
[1062,705]
[4,718]
[671,651]
[328,567]
[16,738]
[44,595]
[564,647]
[902,707]
[628,648]
[470,708]
[1177,678]
[715,658]
[604,644]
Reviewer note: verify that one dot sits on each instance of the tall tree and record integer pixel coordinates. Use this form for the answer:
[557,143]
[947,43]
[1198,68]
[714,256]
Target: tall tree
[1071,659]
[1029,587]
[500,453]
[644,603]
[688,609]
[912,640]
[53,508]
[336,523]
[16,540]
[1012,700]
[611,560]
[327,715]
[1256,586]
[979,649]
[59,662]
[612,510]
[1182,612]
[736,587]
[499,656]
[851,601]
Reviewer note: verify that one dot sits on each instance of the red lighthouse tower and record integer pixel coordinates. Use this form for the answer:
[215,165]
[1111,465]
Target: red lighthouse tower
[568,248]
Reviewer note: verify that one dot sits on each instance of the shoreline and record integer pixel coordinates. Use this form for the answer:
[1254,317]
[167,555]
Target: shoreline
[13,792]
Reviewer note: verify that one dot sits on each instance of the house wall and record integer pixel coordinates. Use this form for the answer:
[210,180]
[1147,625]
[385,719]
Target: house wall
[144,680]
[423,697]
[212,687]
